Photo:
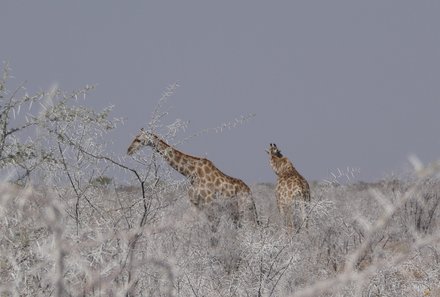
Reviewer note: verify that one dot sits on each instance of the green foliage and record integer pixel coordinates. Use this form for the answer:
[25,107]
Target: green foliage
[101,181]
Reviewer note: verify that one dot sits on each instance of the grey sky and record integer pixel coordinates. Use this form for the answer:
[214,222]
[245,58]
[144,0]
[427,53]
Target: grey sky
[333,83]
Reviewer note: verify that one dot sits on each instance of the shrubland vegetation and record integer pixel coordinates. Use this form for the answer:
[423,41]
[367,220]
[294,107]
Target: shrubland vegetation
[68,229]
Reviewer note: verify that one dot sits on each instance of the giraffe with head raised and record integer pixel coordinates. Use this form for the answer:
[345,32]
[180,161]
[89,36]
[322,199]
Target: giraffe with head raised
[207,182]
[291,186]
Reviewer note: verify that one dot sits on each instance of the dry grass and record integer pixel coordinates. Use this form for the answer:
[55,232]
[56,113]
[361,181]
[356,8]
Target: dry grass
[79,234]
[363,240]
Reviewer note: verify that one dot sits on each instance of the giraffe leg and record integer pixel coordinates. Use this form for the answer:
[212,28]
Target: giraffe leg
[288,215]
[281,211]
[285,211]
[285,214]
[302,214]
[212,210]
[247,210]
[305,219]
[194,197]
[233,210]
[252,209]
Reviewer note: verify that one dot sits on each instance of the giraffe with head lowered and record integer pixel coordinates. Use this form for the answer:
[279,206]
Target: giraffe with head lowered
[291,186]
[207,182]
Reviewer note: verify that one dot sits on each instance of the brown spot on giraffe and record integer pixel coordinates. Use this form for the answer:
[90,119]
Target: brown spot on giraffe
[207,182]
[178,158]
[200,172]
[291,186]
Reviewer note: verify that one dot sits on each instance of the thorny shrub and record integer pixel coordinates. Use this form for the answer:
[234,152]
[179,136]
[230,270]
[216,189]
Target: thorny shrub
[67,230]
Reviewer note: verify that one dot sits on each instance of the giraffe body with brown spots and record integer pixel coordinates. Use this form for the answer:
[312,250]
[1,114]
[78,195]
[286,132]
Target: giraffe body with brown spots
[207,182]
[291,187]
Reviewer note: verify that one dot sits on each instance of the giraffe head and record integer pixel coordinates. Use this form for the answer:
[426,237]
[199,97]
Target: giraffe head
[144,138]
[280,164]
[273,151]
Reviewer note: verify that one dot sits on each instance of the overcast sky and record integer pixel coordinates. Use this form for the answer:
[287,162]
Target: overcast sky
[332,83]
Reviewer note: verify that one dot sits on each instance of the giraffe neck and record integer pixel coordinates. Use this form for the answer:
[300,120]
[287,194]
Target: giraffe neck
[282,166]
[181,162]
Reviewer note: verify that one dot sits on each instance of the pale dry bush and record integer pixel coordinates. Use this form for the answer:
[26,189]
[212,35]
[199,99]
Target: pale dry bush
[73,235]
[178,254]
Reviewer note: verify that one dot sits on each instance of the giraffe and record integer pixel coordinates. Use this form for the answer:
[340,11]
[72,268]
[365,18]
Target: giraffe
[291,186]
[207,182]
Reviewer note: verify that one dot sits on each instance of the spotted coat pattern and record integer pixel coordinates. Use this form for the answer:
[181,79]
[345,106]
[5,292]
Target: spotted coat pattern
[207,182]
[291,186]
